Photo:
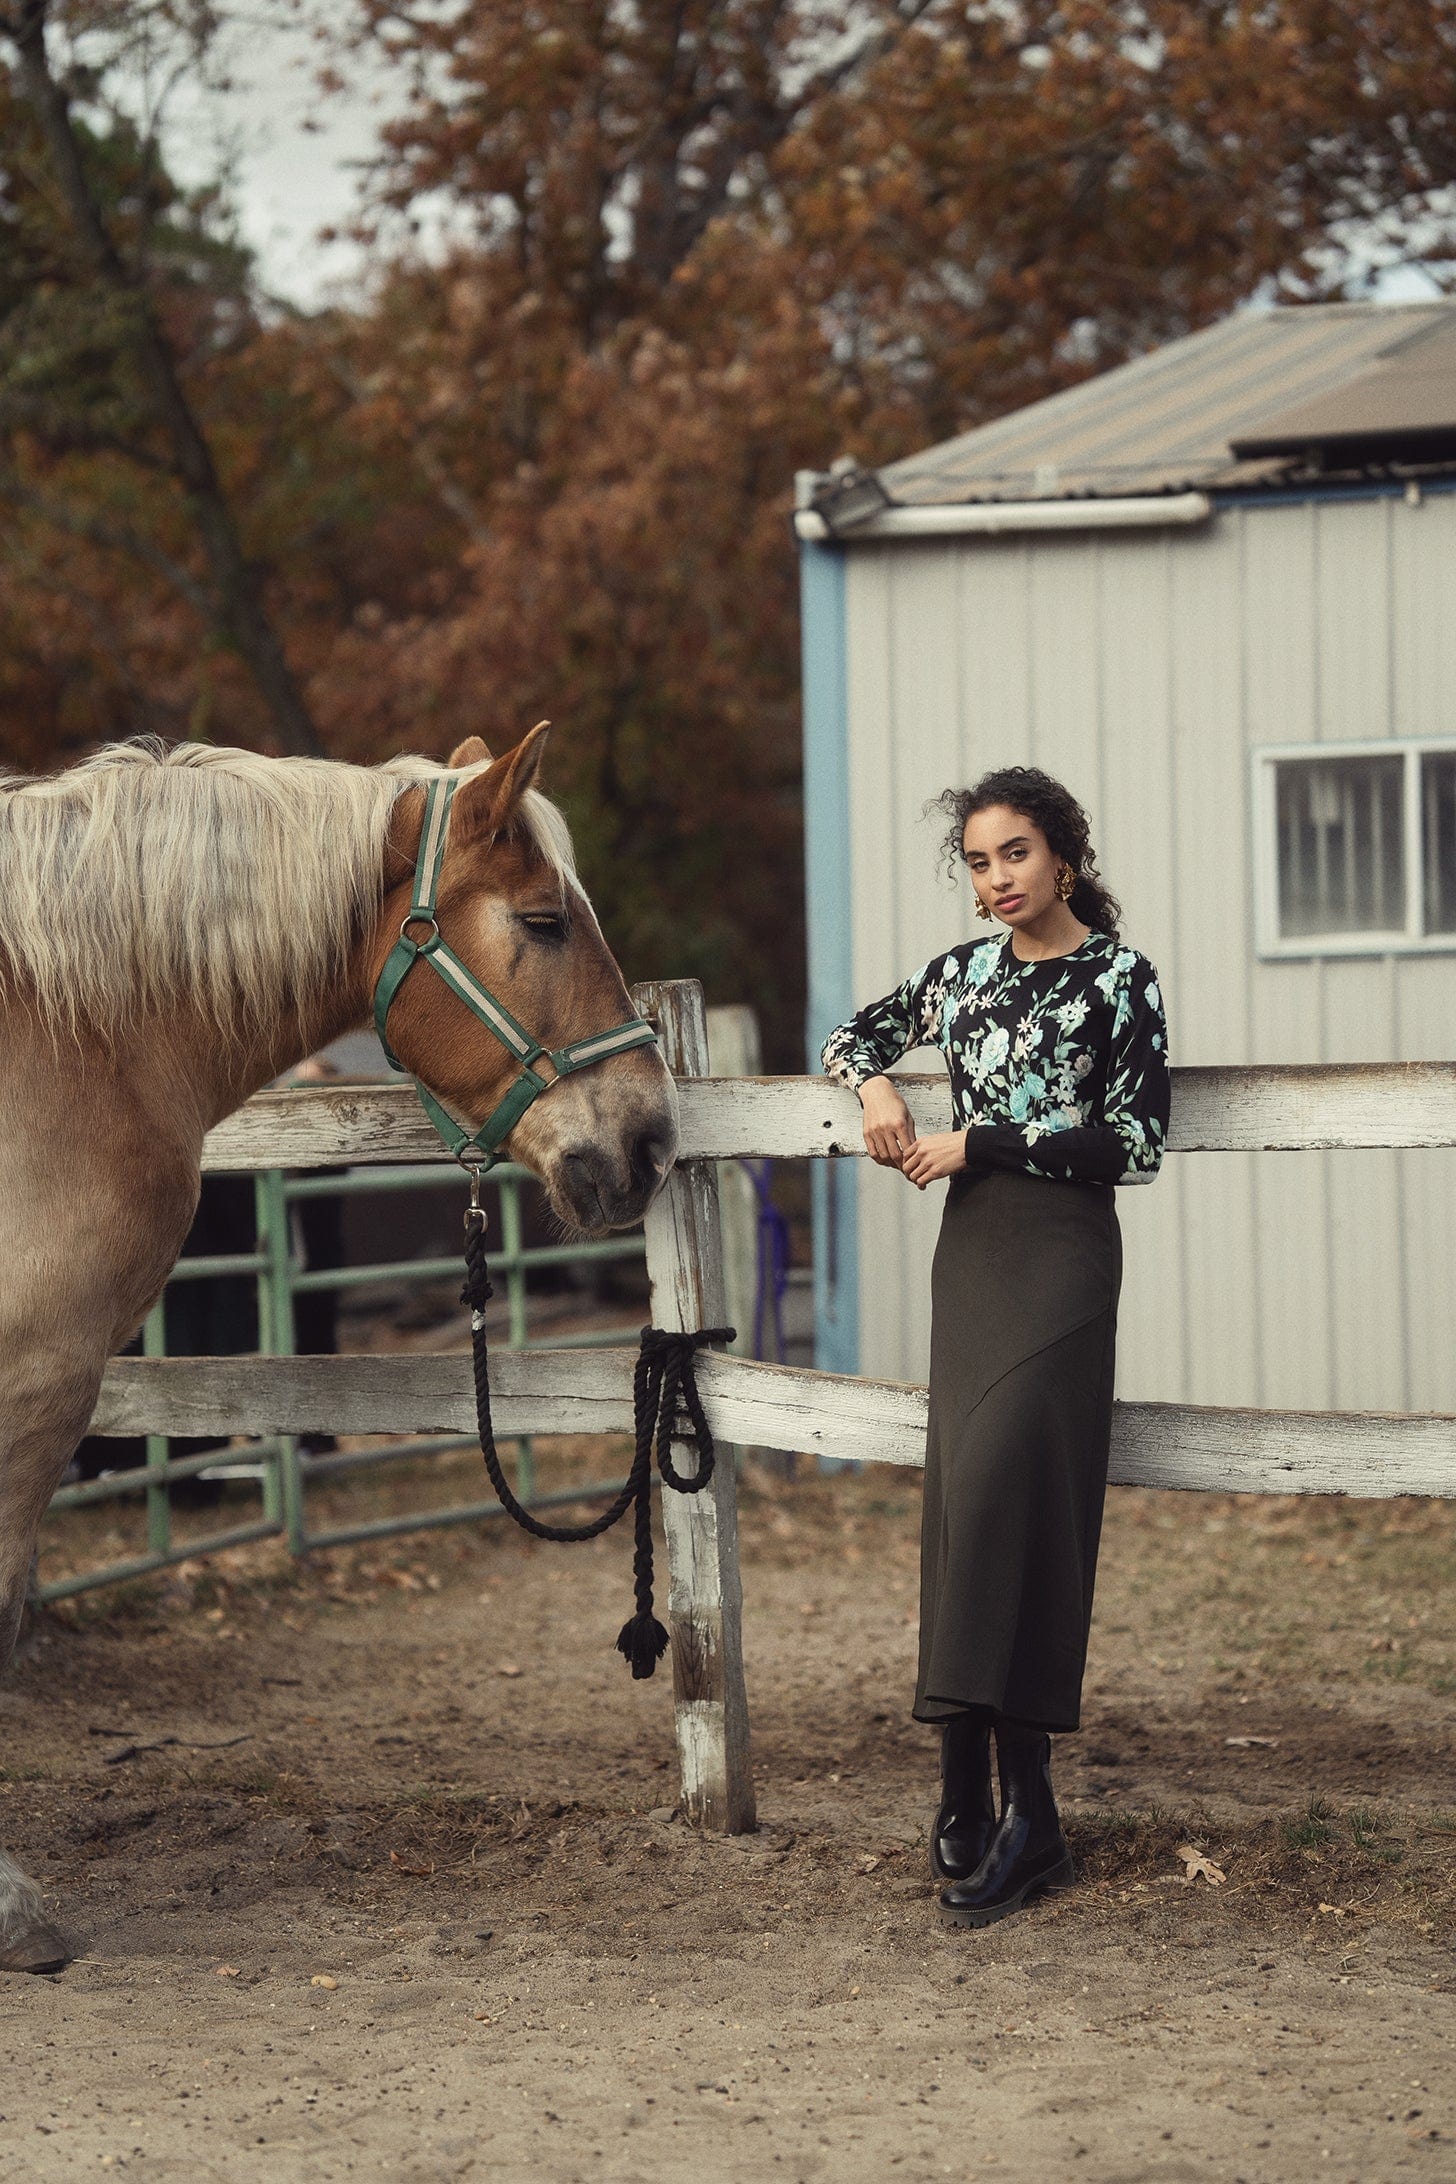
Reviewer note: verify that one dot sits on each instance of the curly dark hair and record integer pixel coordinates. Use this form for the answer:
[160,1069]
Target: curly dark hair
[1037,796]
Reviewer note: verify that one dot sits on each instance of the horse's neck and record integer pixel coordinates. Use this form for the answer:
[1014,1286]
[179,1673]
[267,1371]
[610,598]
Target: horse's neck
[224,1074]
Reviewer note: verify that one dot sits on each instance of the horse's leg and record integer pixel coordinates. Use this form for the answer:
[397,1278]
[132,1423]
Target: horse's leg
[95,1204]
[81,1274]
[54,1393]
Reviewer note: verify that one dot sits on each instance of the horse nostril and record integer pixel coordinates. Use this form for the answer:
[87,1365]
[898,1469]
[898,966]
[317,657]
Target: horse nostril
[584,1173]
[651,1156]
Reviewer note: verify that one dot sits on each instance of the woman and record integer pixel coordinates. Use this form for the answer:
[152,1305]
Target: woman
[1058,1057]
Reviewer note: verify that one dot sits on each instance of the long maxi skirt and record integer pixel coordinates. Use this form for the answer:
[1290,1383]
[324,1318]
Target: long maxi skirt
[1025,1287]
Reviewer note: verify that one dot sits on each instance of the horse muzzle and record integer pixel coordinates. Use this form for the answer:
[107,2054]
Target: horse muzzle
[597,1187]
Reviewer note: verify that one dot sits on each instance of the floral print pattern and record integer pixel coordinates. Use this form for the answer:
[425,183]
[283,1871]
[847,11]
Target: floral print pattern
[1059,1067]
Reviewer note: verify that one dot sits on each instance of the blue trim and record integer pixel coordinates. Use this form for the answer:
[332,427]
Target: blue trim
[831,960]
[1292,495]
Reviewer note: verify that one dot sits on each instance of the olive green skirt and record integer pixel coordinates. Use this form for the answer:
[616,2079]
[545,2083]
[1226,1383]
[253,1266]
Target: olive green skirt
[1025,1286]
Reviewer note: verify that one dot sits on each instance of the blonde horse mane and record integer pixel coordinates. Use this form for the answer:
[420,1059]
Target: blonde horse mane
[152,879]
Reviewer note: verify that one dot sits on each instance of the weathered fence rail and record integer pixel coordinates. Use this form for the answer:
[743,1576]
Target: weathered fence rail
[1369,1453]
[1274,1108]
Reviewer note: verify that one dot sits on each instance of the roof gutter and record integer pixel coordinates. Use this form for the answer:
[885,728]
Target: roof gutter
[970,519]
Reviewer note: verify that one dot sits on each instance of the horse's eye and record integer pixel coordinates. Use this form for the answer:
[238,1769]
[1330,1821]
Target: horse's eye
[546,924]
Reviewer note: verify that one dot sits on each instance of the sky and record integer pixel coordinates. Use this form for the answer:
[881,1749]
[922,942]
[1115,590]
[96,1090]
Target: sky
[294,154]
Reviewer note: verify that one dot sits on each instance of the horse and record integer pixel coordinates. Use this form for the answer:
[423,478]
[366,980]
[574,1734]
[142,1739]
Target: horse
[178,926]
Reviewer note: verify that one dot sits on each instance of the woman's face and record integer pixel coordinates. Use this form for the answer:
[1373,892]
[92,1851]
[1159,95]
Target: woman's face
[1013,866]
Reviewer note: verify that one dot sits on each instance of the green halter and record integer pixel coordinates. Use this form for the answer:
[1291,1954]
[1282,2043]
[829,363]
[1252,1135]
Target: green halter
[483,1149]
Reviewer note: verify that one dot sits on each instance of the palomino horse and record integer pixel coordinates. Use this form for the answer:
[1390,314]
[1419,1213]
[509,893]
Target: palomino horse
[176,928]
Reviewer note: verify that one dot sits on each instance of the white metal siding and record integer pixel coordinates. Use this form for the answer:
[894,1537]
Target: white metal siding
[1142,669]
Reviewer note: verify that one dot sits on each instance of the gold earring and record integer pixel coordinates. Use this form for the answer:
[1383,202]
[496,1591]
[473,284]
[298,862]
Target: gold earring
[981,910]
[1066,881]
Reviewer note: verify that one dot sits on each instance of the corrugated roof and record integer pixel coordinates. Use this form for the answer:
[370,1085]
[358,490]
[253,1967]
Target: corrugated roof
[1410,394]
[1168,421]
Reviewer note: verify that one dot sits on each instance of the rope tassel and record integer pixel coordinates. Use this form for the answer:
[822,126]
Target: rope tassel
[666,1407]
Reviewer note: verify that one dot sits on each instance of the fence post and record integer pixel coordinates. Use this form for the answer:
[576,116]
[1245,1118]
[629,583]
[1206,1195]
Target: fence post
[705,1596]
[734,1050]
[276,1338]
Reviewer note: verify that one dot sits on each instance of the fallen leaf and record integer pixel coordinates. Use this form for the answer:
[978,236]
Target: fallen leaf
[322,1979]
[507,1668]
[225,1971]
[402,1865]
[1194,1864]
[1269,1741]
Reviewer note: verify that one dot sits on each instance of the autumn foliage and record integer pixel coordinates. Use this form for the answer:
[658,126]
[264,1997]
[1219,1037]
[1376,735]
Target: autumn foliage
[547,469]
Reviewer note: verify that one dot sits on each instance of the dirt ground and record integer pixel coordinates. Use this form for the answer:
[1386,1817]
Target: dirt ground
[408,1897]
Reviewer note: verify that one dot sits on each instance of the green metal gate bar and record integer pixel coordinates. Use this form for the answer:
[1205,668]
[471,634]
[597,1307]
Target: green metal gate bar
[282,1469]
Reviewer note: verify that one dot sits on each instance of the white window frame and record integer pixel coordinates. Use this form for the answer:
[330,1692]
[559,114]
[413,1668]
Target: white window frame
[1269,945]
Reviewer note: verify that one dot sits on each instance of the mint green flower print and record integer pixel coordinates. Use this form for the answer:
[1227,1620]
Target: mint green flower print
[1059,1067]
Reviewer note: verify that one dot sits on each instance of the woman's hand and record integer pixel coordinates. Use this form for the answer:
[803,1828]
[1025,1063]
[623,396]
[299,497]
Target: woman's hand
[889,1132]
[933,1158]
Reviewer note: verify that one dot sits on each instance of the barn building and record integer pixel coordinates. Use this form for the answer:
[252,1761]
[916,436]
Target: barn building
[1214,591]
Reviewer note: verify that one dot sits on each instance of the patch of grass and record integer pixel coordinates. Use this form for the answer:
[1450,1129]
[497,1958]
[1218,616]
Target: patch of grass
[1312,1828]
[1389,1667]
[255,1781]
[1364,1829]
[1114,1823]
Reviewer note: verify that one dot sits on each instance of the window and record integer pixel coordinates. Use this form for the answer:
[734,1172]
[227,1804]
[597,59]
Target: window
[1356,848]
[1438,839]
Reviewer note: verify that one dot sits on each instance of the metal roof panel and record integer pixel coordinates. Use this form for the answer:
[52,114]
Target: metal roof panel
[1167,420]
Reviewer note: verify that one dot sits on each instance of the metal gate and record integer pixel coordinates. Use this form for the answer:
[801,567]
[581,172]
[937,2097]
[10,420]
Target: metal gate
[281,1468]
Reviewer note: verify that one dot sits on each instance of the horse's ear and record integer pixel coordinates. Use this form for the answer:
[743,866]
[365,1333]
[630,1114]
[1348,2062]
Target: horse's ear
[484,805]
[472,752]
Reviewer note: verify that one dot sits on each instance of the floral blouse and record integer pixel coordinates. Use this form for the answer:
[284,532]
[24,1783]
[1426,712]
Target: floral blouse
[1059,1067]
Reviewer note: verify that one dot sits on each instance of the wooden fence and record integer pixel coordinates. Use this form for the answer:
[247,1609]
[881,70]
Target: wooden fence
[1274,1108]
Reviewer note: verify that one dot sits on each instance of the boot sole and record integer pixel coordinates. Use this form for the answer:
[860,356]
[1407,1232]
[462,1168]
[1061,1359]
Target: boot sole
[1060,1877]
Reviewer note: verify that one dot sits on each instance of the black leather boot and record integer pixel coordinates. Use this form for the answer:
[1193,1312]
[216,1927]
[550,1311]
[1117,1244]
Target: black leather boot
[1028,1852]
[962,1829]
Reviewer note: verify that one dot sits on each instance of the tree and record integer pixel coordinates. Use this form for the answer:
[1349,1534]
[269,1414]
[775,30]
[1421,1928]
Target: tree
[693,246]
[1018,196]
[697,244]
[97,309]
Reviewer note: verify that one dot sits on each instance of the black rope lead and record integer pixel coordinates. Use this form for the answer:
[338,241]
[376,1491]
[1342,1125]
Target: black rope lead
[666,1408]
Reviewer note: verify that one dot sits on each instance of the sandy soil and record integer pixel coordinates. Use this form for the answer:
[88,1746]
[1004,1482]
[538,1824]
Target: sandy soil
[434,1916]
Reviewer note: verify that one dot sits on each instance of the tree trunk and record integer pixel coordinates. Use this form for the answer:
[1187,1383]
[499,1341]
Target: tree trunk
[239,610]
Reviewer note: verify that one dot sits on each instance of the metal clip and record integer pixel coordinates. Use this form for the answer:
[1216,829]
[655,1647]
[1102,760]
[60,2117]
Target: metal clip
[475,1212]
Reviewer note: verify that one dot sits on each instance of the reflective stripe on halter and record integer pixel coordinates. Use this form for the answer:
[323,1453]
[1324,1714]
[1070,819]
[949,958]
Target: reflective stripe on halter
[482,1149]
